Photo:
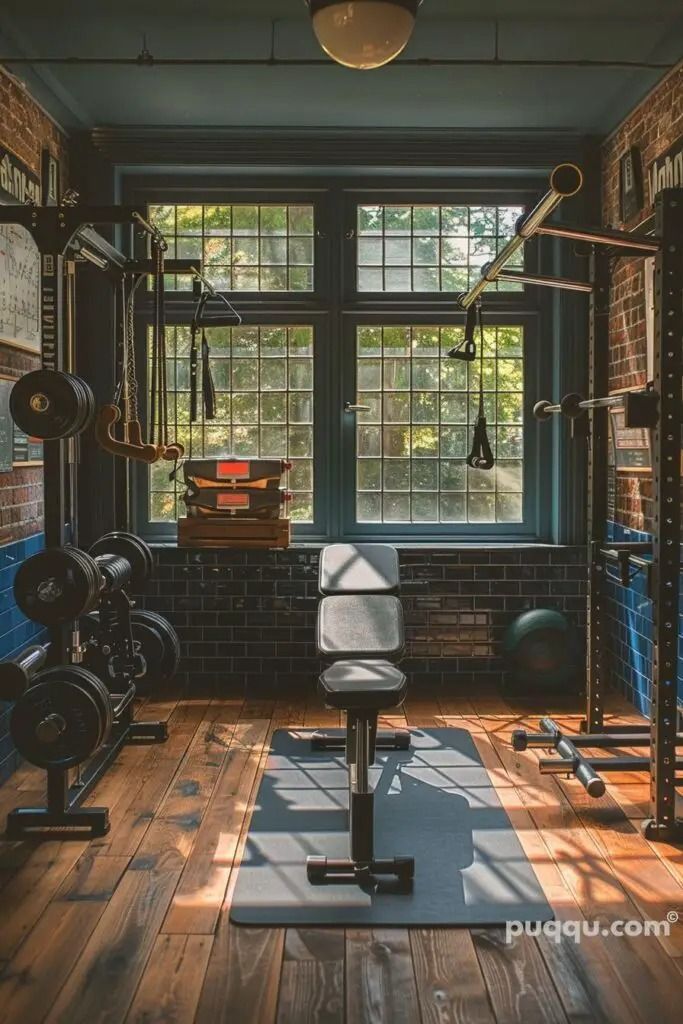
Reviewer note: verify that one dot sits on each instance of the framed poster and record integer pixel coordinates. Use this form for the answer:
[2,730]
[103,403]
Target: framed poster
[19,260]
[630,184]
[27,451]
[631,446]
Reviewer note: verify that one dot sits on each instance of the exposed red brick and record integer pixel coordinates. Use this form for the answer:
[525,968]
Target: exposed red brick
[653,127]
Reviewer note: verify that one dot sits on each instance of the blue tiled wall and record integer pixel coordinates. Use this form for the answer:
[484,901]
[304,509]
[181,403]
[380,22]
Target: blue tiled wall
[16,632]
[630,630]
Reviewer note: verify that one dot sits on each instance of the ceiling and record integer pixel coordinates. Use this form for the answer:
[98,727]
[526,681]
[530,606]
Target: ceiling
[627,43]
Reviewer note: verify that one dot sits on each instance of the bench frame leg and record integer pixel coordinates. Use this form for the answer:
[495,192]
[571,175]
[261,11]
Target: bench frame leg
[362,866]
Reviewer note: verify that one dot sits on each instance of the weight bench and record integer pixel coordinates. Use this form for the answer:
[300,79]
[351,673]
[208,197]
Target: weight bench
[361,635]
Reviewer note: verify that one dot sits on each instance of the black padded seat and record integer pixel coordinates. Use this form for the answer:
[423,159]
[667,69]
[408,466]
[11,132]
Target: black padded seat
[359,569]
[355,626]
[363,685]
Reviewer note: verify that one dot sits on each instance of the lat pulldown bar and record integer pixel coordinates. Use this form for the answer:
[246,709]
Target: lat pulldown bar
[565,180]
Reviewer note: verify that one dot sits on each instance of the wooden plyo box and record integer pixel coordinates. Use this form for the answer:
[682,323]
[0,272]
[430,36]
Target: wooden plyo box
[216,532]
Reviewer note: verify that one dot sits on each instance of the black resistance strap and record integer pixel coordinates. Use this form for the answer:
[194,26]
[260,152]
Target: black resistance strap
[208,386]
[481,456]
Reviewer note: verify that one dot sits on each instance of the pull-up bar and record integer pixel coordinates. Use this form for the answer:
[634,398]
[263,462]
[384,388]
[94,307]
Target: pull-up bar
[565,180]
[539,279]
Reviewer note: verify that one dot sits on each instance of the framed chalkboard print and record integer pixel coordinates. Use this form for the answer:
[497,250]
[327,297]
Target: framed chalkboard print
[19,260]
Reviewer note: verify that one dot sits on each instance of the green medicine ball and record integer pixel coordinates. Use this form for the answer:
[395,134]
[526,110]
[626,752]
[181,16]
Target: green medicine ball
[540,650]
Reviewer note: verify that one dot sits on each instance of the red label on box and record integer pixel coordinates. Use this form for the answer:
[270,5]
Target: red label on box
[233,470]
[233,500]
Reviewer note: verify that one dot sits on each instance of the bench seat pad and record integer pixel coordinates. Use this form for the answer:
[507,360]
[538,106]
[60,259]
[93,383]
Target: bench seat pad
[358,569]
[363,685]
[358,626]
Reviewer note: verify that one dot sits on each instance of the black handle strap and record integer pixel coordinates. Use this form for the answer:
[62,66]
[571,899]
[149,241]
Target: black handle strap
[467,350]
[480,456]
[207,381]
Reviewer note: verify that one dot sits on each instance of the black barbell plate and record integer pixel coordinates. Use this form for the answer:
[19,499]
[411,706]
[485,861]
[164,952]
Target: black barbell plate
[73,696]
[56,585]
[91,569]
[48,404]
[146,624]
[88,407]
[130,547]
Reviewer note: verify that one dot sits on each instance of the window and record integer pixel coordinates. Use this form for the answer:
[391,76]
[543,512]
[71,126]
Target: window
[244,247]
[431,248]
[264,408]
[416,428]
[347,300]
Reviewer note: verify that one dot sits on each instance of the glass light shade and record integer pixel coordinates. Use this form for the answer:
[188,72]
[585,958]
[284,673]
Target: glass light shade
[363,33]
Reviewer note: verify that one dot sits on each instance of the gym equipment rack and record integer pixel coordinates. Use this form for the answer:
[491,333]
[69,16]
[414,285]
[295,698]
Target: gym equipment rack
[62,808]
[63,232]
[664,566]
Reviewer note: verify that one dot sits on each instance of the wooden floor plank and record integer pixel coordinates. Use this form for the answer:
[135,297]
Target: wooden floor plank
[519,984]
[103,983]
[198,899]
[450,985]
[380,981]
[312,979]
[29,891]
[243,976]
[33,979]
[172,982]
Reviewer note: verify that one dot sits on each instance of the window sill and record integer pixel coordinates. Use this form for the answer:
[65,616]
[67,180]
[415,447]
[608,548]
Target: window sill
[317,545]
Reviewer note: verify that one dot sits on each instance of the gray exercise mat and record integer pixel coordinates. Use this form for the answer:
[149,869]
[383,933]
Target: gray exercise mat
[434,802]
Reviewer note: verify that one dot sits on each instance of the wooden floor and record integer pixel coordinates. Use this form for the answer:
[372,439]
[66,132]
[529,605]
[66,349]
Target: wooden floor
[134,927]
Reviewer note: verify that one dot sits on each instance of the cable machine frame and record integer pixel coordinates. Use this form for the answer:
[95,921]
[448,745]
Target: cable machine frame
[63,231]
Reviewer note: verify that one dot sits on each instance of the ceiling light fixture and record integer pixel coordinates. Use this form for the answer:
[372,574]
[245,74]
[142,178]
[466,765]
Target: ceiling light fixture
[363,33]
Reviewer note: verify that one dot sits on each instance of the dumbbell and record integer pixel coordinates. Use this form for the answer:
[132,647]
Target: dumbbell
[16,675]
[60,584]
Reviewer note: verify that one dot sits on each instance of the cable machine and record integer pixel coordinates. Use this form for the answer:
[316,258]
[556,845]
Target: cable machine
[66,715]
[659,409]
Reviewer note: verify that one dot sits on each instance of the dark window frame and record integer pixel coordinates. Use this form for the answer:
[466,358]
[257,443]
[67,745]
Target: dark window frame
[334,308]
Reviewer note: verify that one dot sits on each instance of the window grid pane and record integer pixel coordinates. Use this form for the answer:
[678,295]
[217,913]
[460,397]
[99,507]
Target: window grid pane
[244,247]
[416,431]
[264,408]
[431,248]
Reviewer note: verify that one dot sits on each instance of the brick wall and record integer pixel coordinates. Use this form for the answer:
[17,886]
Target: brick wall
[246,619]
[25,130]
[653,127]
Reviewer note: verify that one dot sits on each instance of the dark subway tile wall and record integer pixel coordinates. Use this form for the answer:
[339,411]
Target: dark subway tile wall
[246,619]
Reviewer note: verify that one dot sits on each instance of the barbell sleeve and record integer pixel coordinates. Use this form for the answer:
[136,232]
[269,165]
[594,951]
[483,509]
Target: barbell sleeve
[16,675]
